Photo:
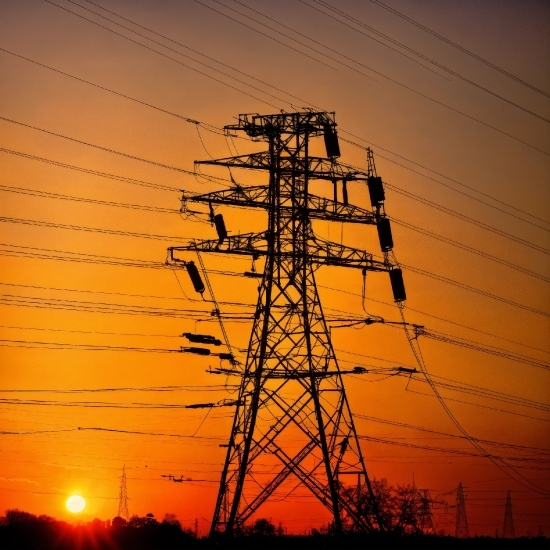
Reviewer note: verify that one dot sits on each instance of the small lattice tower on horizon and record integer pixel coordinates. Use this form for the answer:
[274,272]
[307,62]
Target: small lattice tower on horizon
[462,531]
[426,514]
[123,496]
[508,531]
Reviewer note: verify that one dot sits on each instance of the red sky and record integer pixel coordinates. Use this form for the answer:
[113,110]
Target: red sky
[436,136]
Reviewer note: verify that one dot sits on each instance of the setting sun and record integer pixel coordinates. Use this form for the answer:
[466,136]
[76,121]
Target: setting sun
[75,504]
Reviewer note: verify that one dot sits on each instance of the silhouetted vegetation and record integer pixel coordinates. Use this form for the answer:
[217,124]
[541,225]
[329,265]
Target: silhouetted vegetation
[23,531]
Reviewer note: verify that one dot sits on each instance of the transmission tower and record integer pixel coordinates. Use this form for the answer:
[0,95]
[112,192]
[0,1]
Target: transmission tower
[426,515]
[123,496]
[462,531]
[508,531]
[291,385]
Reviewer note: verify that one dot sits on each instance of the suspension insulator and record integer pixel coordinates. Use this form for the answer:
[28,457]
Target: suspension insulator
[220,228]
[345,191]
[196,351]
[226,356]
[384,234]
[376,190]
[331,141]
[397,285]
[195,277]
[202,339]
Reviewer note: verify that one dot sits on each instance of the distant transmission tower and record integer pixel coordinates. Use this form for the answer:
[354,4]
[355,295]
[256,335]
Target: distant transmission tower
[291,385]
[426,515]
[508,531]
[462,531]
[123,496]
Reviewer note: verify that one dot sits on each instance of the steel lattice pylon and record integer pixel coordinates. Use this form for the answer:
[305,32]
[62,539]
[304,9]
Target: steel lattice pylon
[123,496]
[508,531]
[462,530]
[291,385]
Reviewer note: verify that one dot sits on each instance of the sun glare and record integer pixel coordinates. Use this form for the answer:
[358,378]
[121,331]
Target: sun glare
[75,504]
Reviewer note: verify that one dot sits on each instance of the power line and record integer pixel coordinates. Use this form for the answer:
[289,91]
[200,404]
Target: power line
[425,58]
[163,54]
[451,450]
[438,318]
[455,436]
[477,404]
[59,196]
[115,177]
[212,128]
[378,41]
[486,393]
[99,307]
[52,225]
[98,259]
[271,86]
[453,188]
[458,47]
[467,248]
[133,295]
[149,433]
[465,218]
[82,347]
[106,149]
[201,388]
[374,71]
[464,286]
[476,346]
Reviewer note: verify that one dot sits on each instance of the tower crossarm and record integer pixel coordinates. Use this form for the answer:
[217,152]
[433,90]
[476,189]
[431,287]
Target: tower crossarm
[320,252]
[316,167]
[260,127]
[257,196]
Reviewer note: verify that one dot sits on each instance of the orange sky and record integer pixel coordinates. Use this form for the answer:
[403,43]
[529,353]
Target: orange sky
[39,471]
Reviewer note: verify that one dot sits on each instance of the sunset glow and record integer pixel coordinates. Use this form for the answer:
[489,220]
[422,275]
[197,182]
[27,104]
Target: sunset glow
[75,504]
[397,342]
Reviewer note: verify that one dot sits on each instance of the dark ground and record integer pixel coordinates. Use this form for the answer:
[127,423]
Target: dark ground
[60,536]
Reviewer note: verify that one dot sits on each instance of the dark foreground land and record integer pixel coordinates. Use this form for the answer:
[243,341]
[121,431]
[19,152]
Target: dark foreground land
[68,537]
[23,531]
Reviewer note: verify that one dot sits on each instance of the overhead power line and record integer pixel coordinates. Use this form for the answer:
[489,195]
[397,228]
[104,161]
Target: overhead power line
[485,393]
[269,85]
[414,52]
[207,387]
[475,251]
[492,335]
[451,450]
[454,436]
[469,187]
[132,295]
[52,225]
[465,218]
[115,177]
[149,433]
[470,403]
[458,47]
[59,196]
[39,253]
[404,86]
[163,54]
[213,128]
[101,307]
[491,350]
[166,237]
[106,149]
[80,347]
[224,83]
[479,291]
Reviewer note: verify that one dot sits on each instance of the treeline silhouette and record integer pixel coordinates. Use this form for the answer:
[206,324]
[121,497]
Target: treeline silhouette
[21,530]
